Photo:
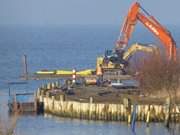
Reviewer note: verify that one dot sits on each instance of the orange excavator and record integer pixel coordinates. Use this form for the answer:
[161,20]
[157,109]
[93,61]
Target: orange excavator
[138,13]
[116,58]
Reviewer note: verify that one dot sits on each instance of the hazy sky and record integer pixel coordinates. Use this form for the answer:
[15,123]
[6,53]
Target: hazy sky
[60,12]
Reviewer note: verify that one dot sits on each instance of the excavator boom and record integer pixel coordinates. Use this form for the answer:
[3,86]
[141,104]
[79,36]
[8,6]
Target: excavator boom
[140,47]
[137,13]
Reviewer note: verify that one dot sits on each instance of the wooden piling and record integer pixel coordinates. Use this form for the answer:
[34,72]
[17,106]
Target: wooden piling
[25,69]
[167,112]
[127,105]
[103,111]
[148,116]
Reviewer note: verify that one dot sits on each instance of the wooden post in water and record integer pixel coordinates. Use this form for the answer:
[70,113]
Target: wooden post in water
[90,107]
[127,105]
[57,84]
[134,117]
[15,106]
[35,102]
[62,97]
[49,86]
[53,98]
[25,69]
[38,93]
[148,116]
[167,112]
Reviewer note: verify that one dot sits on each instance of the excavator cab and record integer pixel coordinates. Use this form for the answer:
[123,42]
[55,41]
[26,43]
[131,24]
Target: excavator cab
[114,56]
[110,55]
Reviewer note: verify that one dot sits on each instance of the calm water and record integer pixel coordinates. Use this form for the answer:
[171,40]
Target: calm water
[63,48]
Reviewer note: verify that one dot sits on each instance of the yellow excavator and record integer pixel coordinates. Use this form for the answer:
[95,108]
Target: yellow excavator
[140,47]
[111,62]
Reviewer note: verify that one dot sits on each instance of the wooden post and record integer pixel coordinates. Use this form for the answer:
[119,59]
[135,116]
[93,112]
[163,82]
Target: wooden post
[127,106]
[134,117]
[38,93]
[142,112]
[62,97]
[15,108]
[148,116]
[52,102]
[53,85]
[167,112]
[57,85]
[35,102]
[25,69]
[90,107]
[45,87]
[49,86]
[46,100]
[47,94]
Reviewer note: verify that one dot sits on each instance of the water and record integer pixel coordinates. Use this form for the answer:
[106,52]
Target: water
[65,47]
[54,125]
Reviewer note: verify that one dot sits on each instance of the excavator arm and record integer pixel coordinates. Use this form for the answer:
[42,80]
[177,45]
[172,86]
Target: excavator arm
[137,13]
[139,47]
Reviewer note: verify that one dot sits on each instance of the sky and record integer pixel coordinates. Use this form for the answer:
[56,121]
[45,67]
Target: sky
[83,12]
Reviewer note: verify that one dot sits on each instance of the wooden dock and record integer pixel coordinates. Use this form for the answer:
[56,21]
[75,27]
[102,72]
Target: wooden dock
[23,103]
[54,76]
